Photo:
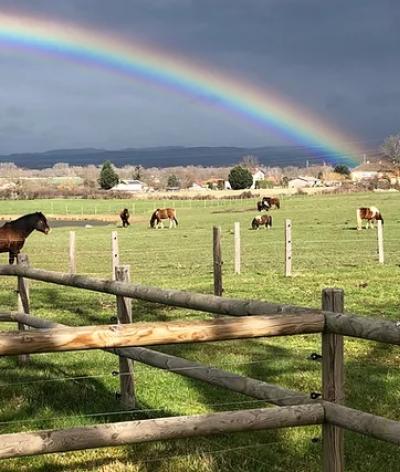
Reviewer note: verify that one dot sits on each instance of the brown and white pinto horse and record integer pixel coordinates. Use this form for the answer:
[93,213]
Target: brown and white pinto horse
[14,233]
[264,220]
[370,214]
[163,214]
[272,201]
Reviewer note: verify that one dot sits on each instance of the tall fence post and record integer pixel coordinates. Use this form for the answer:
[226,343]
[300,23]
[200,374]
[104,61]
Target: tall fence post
[237,247]
[72,252]
[288,248]
[332,383]
[114,252]
[124,315]
[23,300]
[381,256]
[217,259]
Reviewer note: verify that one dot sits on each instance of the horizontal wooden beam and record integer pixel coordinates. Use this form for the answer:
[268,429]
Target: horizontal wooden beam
[363,327]
[5,317]
[129,432]
[190,300]
[364,423]
[237,383]
[144,334]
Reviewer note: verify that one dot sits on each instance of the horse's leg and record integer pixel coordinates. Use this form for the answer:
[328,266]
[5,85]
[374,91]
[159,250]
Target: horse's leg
[11,257]
[170,223]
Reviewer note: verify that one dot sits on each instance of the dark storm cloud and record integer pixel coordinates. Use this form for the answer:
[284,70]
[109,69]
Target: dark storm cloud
[337,59]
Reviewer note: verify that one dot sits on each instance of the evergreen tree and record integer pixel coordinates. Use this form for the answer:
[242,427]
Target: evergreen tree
[342,169]
[240,178]
[173,181]
[108,177]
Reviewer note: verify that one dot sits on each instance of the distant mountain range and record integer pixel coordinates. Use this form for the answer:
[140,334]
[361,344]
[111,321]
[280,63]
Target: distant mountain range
[168,156]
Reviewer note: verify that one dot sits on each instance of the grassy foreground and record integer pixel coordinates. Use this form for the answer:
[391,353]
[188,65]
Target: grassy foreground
[63,390]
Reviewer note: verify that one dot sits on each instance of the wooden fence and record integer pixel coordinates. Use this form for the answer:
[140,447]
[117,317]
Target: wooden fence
[246,319]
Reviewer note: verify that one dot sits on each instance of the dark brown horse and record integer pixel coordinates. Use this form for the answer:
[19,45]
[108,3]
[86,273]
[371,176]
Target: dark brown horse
[272,201]
[370,214]
[163,214]
[124,215]
[14,233]
[263,220]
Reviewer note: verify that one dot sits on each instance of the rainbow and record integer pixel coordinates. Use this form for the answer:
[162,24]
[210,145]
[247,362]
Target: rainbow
[262,107]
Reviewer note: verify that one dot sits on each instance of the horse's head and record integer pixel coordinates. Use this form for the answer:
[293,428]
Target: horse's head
[41,223]
[154,219]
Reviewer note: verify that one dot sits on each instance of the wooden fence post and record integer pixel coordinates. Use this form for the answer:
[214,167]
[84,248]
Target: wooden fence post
[332,383]
[72,253]
[237,247]
[23,300]
[114,252]
[288,248]
[124,315]
[217,259]
[381,256]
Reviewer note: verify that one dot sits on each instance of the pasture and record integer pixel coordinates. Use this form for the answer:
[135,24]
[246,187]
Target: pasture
[61,390]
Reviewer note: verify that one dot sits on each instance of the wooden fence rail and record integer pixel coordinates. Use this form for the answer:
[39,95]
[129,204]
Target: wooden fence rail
[247,386]
[145,334]
[129,432]
[178,298]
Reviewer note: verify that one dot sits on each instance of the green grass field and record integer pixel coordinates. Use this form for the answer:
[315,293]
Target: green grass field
[63,390]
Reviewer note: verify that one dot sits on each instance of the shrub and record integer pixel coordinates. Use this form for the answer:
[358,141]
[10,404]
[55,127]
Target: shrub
[240,178]
[108,177]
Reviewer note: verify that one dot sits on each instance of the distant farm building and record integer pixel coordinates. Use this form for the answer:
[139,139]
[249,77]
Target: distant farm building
[302,182]
[258,175]
[130,186]
[371,170]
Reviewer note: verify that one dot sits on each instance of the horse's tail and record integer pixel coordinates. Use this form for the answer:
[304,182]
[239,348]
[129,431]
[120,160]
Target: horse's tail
[359,220]
[380,217]
[176,221]
[270,221]
[277,203]
[254,223]
[154,218]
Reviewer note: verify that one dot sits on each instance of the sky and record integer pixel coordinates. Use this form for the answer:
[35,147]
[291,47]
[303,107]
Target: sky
[338,60]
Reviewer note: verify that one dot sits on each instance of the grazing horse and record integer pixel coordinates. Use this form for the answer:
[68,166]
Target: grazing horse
[272,201]
[264,220]
[14,233]
[124,215]
[163,214]
[370,214]
[263,205]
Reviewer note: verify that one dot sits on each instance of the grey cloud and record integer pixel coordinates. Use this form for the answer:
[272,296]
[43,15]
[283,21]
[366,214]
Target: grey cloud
[338,59]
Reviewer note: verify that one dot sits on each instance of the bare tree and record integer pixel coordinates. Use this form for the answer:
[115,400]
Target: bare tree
[249,161]
[391,148]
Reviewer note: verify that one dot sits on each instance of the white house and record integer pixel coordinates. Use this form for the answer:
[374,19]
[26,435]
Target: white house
[130,186]
[306,181]
[257,176]
[370,170]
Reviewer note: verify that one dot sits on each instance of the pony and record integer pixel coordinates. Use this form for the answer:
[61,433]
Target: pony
[124,215]
[163,214]
[370,214]
[272,201]
[263,220]
[14,233]
[263,205]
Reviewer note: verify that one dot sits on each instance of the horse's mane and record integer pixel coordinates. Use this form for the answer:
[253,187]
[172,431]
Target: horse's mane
[31,217]
[154,217]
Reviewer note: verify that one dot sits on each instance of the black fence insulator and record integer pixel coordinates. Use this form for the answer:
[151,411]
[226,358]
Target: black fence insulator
[314,395]
[115,373]
[315,356]
[117,395]
[113,319]
[315,440]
